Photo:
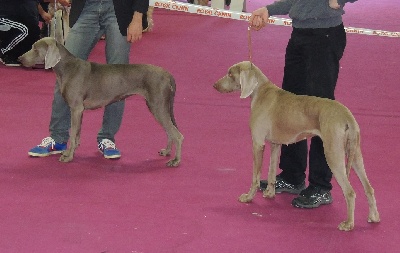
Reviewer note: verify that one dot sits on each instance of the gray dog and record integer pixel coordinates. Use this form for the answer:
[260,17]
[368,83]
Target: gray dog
[281,117]
[87,85]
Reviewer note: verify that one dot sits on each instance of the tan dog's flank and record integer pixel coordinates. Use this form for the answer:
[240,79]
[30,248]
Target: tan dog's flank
[281,117]
[87,85]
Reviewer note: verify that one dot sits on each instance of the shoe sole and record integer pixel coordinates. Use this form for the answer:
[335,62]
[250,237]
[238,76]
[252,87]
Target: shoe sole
[110,156]
[312,206]
[296,192]
[12,64]
[46,154]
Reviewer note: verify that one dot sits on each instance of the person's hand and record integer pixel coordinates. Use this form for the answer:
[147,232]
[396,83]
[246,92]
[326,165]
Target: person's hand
[134,32]
[259,18]
[64,2]
[46,17]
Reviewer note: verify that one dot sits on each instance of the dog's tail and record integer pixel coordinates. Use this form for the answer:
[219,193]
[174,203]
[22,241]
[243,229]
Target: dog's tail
[172,98]
[351,145]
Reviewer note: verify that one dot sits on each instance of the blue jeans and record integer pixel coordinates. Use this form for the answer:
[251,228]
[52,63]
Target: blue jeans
[97,18]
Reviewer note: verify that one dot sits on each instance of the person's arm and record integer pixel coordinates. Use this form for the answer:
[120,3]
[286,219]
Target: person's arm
[281,7]
[134,32]
[62,2]
[135,28]
[343,2]
[259,17]
[46,16]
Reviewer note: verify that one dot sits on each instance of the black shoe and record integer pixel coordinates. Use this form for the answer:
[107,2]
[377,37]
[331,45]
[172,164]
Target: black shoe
[312,197]
[283,186]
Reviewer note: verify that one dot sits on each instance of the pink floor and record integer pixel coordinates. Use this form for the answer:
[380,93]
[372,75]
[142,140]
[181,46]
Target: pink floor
[136,204]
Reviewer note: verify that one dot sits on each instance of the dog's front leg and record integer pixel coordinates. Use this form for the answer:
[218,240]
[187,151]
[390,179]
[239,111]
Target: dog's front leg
[258,152]
[269,192]
[76,121]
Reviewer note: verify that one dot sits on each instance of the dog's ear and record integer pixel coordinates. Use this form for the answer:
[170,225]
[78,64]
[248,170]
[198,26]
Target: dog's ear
[52,55]
[248,82]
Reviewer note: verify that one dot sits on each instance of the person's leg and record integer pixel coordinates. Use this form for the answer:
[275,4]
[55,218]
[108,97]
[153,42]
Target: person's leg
[27,15]
[325,53]
[81,39]
[293,160]
[319,172]
[113,113]
[14,33]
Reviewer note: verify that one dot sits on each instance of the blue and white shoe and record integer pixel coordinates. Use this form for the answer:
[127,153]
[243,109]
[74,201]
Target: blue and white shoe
[108,149]
[47,147]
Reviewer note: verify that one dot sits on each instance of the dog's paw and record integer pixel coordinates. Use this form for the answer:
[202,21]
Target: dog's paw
[245,198]
[65,159]
[66,156]
[174,162]
[374,217]
[269,194]
[164,152]
[346,226]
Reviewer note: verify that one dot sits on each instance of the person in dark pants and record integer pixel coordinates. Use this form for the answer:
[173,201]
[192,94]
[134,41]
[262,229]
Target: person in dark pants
[311,68]
[19,24]
[44,18]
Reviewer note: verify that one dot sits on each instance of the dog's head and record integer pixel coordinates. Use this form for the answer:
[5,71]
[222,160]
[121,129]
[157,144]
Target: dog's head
[43,51]
[241,76]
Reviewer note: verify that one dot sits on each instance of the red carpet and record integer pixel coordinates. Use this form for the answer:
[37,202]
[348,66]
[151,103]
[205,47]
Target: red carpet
[136,204]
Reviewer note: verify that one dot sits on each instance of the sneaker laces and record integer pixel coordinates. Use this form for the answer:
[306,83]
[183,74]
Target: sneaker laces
[46,141]
[108,144]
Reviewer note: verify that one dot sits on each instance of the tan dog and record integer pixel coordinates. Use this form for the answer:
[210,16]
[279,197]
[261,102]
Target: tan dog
[150,21]
[87,85]
[281,117]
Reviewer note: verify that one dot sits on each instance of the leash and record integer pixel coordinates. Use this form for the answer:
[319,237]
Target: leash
[249,44]
[54,19]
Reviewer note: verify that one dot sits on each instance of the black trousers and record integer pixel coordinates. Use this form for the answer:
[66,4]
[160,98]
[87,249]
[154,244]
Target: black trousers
[311,68]
[20,13]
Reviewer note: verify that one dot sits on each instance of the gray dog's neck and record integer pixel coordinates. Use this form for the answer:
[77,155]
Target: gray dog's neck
[66,58]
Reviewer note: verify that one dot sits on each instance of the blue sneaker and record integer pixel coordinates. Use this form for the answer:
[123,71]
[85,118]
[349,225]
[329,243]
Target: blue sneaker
[108,149]
[47,147]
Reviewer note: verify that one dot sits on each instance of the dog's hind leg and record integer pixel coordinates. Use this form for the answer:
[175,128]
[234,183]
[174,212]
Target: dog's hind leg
[161,110]
[335,157]
[349,195]
[358,165]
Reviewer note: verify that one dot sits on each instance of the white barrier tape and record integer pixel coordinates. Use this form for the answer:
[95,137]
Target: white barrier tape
[208,11]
